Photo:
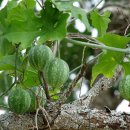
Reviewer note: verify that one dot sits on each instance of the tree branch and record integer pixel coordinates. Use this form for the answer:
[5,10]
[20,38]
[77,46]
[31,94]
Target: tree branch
[70,88]
[75,116]
[80,119]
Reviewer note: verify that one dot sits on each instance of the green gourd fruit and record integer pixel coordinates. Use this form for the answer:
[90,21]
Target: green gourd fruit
[19,100]
[36,93]
[39,56]
[56,72]
[124,87]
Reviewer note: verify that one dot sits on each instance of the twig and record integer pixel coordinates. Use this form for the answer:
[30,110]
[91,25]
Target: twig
[70,88]
[82,63]
[8,89]
[97,46]
[126,30]
[87,63]
[45,117]
[117,4]
[44,83]
[16,58]
[95,7]
[39,4]
[58,48]
[36,115]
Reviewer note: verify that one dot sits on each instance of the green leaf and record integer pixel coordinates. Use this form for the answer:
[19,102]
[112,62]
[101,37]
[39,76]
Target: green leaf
[30,78]
[78,13]
[109,60]
[126,66]
[106,64]
[5,82]
[114,40]
[54,23]
[6,48]
[8,62]
[22,25]
[28,3]
[100,22]
[1,1]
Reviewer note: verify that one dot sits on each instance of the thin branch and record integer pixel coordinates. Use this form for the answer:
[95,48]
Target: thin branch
[117,4]
[125,34]
[97,46]
[44,83]
[16,58]
[95,7]
[8,89]
[39,4]
[70,88]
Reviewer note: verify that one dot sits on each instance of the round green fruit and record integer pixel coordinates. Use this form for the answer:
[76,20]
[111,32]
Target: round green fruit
[19,100]
[39,56]
[56,72]
[124,87]
[34,93]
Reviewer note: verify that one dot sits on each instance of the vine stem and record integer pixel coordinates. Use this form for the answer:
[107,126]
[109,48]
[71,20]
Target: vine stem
[16,57]
[58,48]
[97,46]
[8,89]
[44,83]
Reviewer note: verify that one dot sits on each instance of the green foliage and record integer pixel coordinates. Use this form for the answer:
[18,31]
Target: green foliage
[6,48]
[30,78]
[126,66]
[124,87]
[100,22]
[5,82]
[18,25]
[110,59]
[54,23]
[76,12]
[7,62]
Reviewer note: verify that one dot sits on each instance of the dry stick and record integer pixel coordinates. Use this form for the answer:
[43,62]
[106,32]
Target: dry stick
[70,88]
[39,3]
[126,29]
[46,117]
[44,83]
[81,64]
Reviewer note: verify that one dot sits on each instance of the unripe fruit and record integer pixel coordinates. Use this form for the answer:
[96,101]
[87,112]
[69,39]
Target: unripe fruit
[56,72]
[19,100]
[124,87]
[39,56]
[38,97]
